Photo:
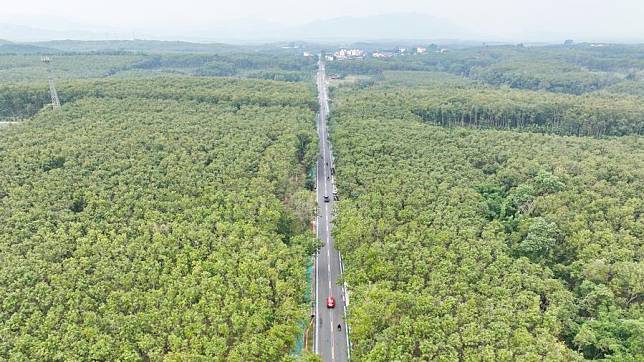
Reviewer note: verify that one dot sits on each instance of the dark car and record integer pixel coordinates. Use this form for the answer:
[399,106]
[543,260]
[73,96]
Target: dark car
[326,198]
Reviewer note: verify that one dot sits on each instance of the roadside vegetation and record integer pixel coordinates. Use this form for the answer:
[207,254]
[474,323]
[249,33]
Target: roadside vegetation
[158,220]
[485,222]
[575,69]
[20,68]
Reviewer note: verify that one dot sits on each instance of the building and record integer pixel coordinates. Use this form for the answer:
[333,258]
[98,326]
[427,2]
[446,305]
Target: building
[329,58]
[308,54]
[421,50]
[381,54]
[343,54]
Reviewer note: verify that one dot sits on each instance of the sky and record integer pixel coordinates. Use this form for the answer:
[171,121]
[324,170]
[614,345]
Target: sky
[502,19]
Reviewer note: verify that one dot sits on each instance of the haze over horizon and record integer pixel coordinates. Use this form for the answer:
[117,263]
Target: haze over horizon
[254,20]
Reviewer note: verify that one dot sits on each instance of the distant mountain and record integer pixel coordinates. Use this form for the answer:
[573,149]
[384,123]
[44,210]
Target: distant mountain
[240,30]
[133,46]
[13,48]
[21,33]
[380,27]
[395,26]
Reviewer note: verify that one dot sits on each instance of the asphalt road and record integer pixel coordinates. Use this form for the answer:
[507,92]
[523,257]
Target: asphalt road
[330,343]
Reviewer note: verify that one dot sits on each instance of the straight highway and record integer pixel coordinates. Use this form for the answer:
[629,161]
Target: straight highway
[331,330]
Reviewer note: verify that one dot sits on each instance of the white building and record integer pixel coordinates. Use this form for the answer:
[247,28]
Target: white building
[348,53]
[379,54]
[421,50]
[308,54]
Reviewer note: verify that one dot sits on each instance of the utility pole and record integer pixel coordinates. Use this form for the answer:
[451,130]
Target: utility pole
[55,101]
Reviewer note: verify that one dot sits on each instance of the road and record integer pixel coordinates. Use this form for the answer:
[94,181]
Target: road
[330,343]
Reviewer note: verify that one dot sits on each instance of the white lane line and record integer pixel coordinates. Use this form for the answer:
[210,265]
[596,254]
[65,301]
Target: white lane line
[332,335]
[326,159]
[344,307]
[323,137]
[317,272]
[325,109]
[317,305]
[317,269]
[328,245]
[324,156]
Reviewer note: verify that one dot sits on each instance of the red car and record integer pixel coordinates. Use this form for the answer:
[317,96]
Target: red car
[330,302]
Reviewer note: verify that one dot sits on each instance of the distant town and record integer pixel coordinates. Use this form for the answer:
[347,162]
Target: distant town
[357,54]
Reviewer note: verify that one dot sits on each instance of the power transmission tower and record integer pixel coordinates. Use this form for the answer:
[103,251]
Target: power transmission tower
[55,101]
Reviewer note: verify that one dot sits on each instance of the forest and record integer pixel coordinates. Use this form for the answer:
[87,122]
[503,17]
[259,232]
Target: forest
[573,69]
[25,100]
[490,202]
[481,221]
[23,77]
[448,103]
[152,220]
[271,64]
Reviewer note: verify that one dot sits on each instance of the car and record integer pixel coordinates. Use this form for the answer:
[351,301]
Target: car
[326,198]
[330,302]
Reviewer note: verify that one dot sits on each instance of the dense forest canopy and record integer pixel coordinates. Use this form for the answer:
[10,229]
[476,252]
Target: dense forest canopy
[274,65]
[564,69]
[464,243]
[497,244]
[24,100]
[23,68]
[491,202]
[151,220]
[450,103]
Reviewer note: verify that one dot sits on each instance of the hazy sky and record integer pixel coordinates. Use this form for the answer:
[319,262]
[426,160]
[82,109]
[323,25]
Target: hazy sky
[605,19]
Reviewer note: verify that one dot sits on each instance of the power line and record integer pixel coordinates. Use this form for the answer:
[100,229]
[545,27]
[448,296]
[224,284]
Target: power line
[55,101]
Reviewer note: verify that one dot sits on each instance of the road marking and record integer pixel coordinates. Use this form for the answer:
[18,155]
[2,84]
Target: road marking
[327,162]
[332,335]
[317,270]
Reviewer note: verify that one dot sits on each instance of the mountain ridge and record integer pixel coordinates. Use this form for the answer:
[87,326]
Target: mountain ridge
[372,27]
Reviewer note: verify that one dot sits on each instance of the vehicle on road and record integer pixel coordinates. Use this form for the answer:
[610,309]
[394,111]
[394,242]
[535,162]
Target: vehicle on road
[326,198]
[330,302]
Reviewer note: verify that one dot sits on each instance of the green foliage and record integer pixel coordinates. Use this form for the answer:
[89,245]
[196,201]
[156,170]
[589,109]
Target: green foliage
[21,101]
[553,76]
[425,79]
[280,75]
[578,69]
[481,107]
[635,87]
[266,64]
[154,220]
[539,241]
[164,216]
[465,244]
[22,68]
